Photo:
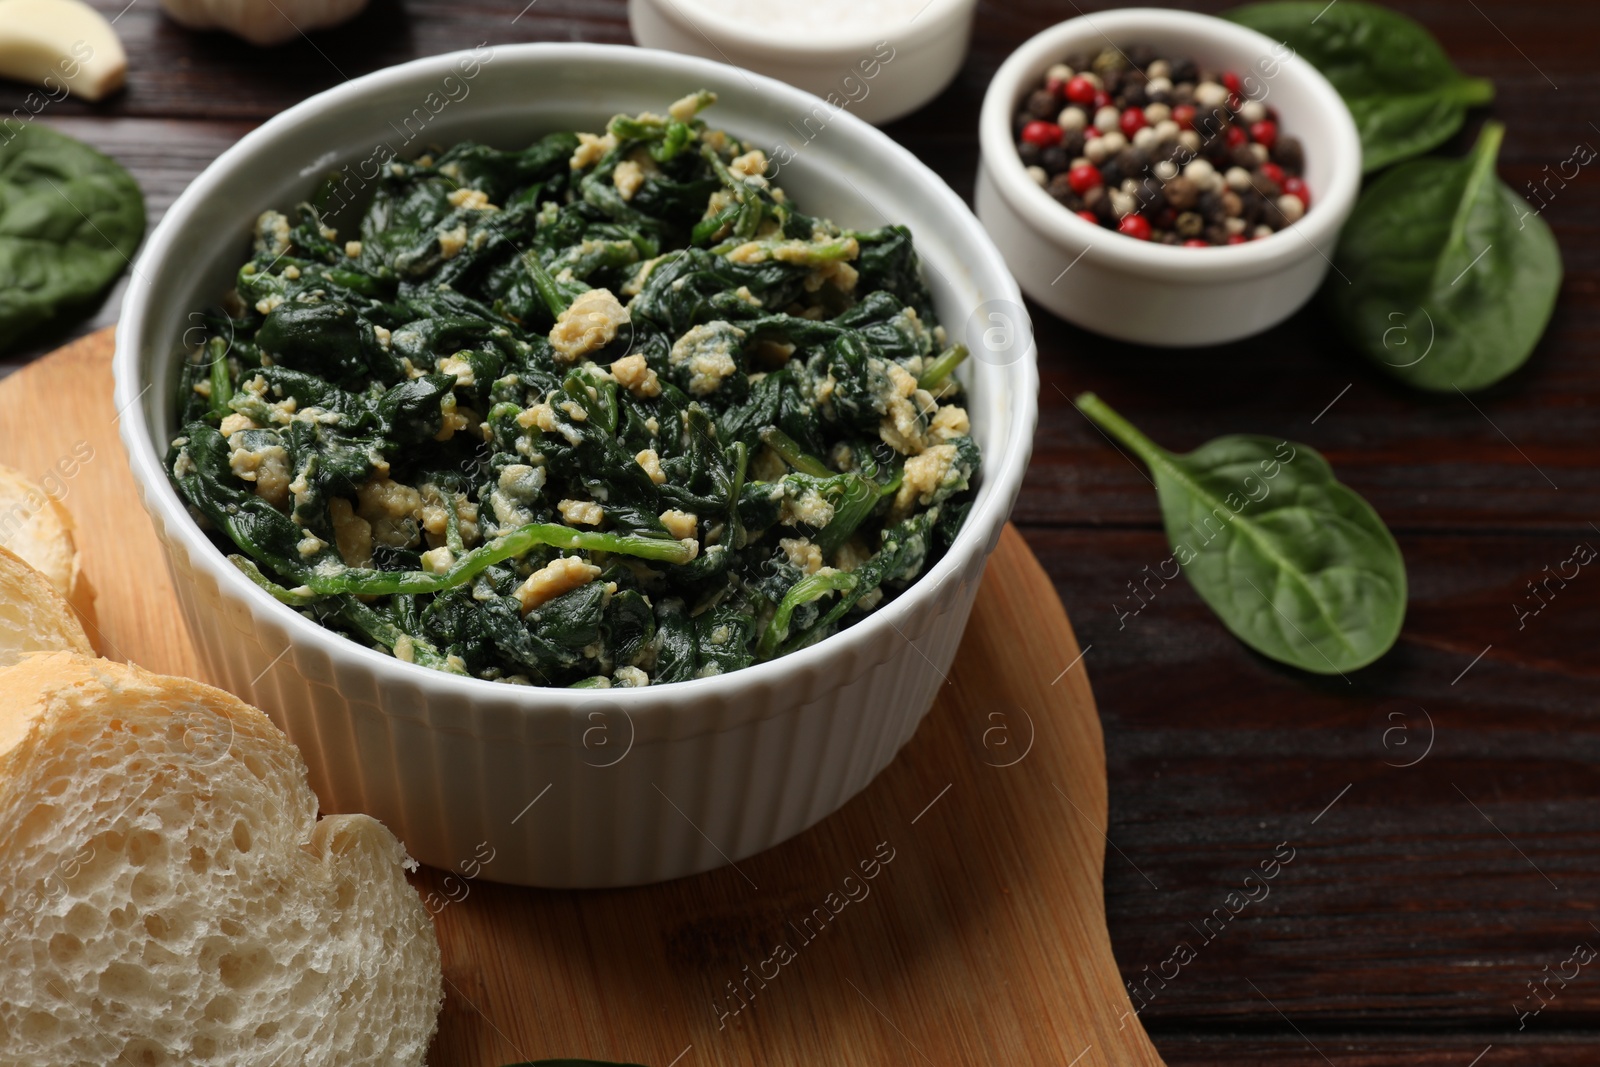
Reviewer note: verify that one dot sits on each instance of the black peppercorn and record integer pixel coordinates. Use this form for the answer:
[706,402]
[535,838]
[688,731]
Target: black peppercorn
[1152,198]
[1252,204]
[1061,189]
[1028,152]
[1265,186]
[1184,70]
[1103,209]
[1072,143]
[1182,193]
[1289,154]
[1054,159]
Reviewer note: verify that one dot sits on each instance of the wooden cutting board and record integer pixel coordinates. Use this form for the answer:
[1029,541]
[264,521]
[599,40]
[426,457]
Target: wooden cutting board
[981,939]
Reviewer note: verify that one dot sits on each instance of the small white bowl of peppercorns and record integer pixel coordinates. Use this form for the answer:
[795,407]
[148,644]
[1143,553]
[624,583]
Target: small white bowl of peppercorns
[1163,177]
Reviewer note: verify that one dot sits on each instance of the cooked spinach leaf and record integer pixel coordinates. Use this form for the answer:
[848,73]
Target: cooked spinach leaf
[70,221]
[1446,277]
[1295,564]
[452,440]
[1405,94]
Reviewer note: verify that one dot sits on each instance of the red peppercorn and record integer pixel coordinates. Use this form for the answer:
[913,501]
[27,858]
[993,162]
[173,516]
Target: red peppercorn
[1083,177]
[1235,102]
[1183,115]
[1237,238]
[1264,132]
[1089,217]
[1230,82]
[1132,121]
[1080,90]
[1195,242]
[1235,137]
[1090,133]
[1273,173]
[1136,226]
[1056,86]
[1297,187]
[1043,134]
[1101,99]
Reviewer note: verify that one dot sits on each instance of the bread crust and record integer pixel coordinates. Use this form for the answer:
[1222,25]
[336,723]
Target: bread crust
[34,616]
[40,530]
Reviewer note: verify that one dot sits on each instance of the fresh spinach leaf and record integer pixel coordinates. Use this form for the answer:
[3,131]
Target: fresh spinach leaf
[1446,278]
[1296,565]
[1405,94]
[70,220]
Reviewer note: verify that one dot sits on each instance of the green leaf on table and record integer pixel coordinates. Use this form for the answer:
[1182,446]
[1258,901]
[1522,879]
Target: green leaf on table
[1295,564]
[1405,94]
[70,220]
[1444,276]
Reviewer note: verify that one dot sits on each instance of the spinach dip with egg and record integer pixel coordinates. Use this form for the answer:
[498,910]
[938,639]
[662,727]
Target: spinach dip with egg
[606,411]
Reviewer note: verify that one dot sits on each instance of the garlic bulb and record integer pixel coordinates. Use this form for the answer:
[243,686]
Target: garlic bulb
[66,46]
[263,22]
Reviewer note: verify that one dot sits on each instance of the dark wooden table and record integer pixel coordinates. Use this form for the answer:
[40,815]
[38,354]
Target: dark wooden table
[1444,804]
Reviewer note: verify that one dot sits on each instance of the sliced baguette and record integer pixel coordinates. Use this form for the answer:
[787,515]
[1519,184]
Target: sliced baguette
[39,529]
[33,616]
[168,896]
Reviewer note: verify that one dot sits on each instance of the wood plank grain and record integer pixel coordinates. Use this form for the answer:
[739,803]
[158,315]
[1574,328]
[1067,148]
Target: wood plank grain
[1315,1048]
[1444,807]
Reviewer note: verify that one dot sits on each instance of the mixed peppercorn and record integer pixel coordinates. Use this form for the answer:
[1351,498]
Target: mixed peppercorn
[1161,149]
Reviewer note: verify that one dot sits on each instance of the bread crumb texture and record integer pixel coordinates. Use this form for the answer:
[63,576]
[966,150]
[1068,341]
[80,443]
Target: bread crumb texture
[169,896]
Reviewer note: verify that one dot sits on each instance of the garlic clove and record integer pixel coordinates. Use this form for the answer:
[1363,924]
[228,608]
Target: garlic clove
[263,22]
[61,45]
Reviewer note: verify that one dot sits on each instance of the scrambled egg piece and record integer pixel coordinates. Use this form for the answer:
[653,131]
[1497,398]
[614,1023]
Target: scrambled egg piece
[709,350]
[556,577]
[589,323]
[635,375]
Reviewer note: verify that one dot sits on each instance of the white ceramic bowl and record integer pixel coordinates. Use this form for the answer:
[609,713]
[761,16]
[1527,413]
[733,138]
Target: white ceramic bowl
[878,75]
[571,788]
[1160,294]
